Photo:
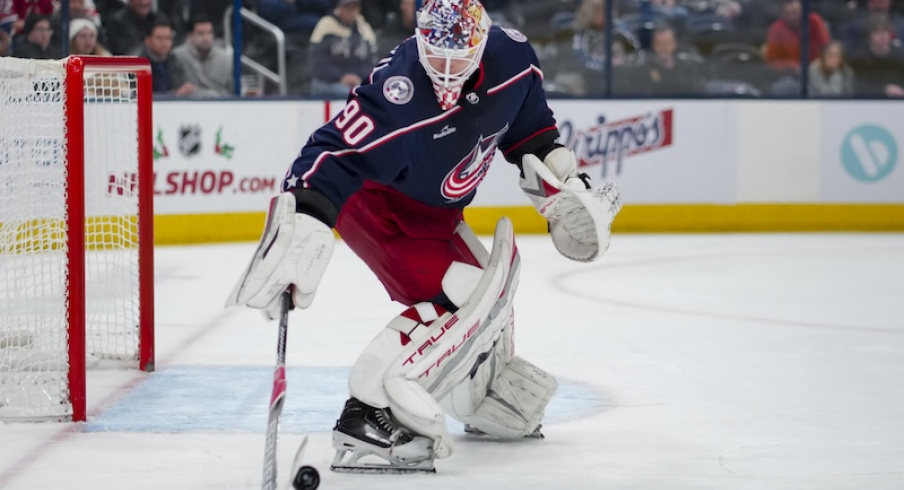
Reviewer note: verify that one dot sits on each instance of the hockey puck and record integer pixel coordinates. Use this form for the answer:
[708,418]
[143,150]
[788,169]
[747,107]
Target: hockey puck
[307,478]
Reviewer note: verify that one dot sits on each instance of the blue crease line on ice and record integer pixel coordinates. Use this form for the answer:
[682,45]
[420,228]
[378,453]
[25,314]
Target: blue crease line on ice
[234,399]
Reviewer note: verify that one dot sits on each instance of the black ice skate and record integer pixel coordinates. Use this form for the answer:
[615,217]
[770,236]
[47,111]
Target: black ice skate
[363,431]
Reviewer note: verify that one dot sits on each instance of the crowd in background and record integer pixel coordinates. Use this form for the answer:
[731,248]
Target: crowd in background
[655,47]
[728,47]
[185,57]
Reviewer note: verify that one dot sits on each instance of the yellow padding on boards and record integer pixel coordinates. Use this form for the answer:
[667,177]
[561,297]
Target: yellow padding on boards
[172,229]
[42,234]
[684,218]
[713,218]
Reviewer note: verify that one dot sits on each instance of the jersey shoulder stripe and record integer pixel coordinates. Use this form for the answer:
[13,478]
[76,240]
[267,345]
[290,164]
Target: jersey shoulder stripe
[527,71]
[379,141]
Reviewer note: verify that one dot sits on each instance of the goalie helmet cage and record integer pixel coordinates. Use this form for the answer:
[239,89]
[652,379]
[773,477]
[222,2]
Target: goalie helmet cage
[76,229]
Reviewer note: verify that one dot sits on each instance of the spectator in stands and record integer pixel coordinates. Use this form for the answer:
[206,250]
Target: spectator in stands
[213,9]
[397,28]
[6,37]
[672,9]
[589,40]
[25,8]
[829,75]
[783,47]
[664,73]
[879,70]
[8,16]
[207,66]
[590,47]
[78,9]
[783,38]
[177,11]
[125,28]
[727,8]
[168,74]
[342,50]
[36,34]
[855,31]
[106,8]
[83,38]
[296,18]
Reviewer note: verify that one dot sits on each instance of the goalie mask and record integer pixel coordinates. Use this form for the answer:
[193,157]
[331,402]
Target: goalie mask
[451,36]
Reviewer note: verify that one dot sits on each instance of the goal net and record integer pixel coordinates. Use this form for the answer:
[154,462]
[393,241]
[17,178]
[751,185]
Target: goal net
[76,217]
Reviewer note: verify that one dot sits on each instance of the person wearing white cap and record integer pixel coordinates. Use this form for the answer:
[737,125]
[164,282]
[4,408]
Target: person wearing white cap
[83,38]
[78,9]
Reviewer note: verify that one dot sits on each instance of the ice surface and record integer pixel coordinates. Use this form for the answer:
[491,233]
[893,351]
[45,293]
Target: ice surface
[687,362]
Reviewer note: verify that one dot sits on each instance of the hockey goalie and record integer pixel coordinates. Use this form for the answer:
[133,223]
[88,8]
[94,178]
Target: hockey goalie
[392,173]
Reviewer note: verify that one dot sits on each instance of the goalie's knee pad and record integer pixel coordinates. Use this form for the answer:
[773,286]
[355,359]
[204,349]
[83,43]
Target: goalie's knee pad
[509,403]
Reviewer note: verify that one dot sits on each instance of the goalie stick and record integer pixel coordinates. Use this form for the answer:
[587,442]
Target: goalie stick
[278,395]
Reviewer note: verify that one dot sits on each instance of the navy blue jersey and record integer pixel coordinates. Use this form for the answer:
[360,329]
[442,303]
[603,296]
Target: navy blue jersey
[392,130]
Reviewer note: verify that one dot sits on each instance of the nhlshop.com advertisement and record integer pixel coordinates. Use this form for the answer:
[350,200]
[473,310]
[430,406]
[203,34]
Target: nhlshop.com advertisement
[222,157]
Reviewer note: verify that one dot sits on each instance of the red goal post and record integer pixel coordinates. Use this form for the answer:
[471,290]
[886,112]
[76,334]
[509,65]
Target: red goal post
[76,229]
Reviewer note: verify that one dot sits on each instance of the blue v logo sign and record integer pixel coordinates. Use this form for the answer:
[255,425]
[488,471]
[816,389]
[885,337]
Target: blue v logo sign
[869,153]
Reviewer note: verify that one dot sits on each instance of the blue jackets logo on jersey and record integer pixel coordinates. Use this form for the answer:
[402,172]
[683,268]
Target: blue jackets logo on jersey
[465,177]
[398,90]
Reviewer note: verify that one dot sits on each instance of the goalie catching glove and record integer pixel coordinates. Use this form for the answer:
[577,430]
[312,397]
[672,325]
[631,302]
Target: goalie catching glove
[579,217]
[294,251]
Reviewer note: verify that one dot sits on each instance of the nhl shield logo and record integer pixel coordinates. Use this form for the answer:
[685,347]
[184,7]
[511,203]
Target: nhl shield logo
[398,90]
[190,139]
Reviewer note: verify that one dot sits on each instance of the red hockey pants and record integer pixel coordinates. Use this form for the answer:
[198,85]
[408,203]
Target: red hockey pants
[407,244]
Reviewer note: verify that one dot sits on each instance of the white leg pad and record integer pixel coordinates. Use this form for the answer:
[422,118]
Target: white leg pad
[469,394]
[474,245]
[446,354]
[418,411]
[513,405]
[425,352]
[366,380]
[460,281]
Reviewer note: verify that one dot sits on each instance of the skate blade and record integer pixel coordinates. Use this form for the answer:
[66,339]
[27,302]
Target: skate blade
[383,470]
[349,461]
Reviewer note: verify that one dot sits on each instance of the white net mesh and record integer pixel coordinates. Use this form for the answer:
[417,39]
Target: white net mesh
[111,207]
[34,364]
